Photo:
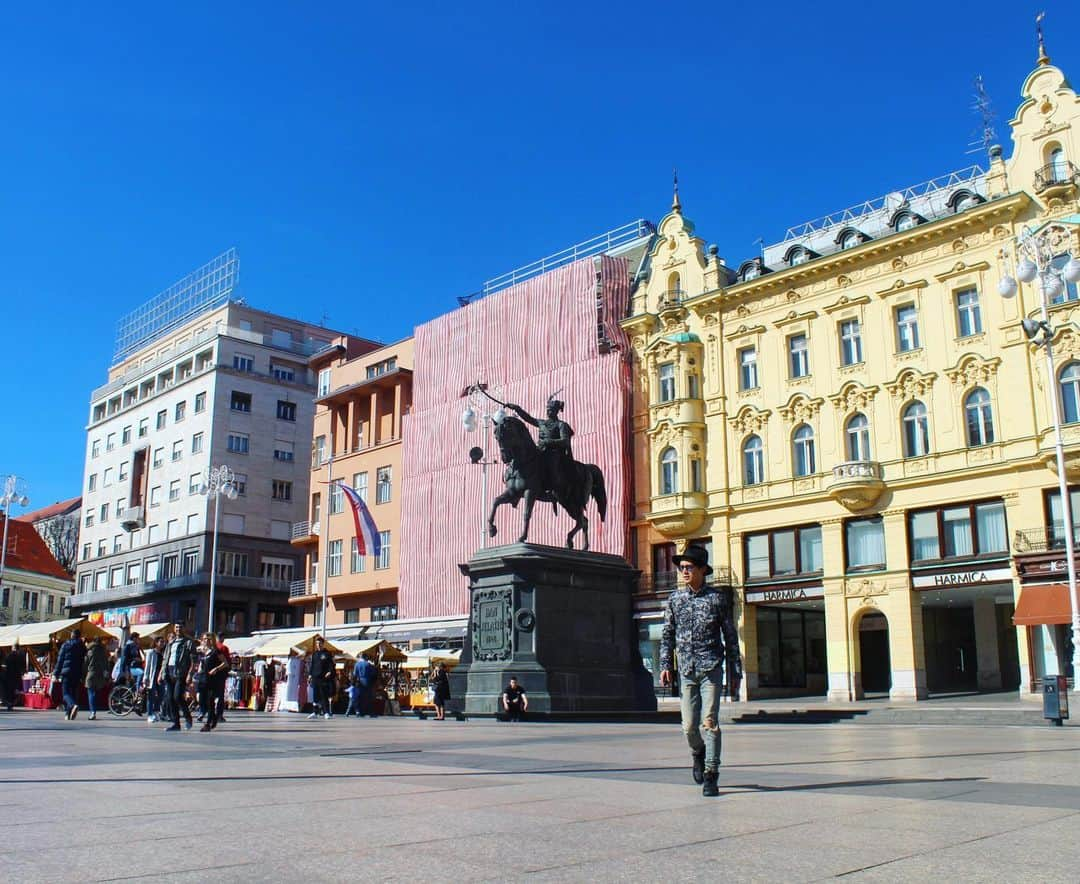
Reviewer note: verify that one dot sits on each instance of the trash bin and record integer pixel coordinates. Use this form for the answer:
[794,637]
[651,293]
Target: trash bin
[1055,699]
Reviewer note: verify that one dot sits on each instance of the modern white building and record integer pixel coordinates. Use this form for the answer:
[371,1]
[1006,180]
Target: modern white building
[199,380]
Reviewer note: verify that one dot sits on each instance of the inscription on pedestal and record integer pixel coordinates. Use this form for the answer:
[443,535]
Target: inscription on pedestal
[492,631]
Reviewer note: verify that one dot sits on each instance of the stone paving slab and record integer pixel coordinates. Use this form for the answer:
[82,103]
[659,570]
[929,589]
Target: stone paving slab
[403,799]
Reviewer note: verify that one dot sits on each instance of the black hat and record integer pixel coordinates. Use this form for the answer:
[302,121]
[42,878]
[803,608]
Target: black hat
[695,555]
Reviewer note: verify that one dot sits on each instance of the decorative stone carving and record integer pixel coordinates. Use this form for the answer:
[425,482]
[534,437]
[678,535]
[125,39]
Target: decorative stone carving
[749,420]
[911,384]
[492,624]
[898,264]
[1066,343]
[973,370]
[853,397]
[843,281]
[800,407]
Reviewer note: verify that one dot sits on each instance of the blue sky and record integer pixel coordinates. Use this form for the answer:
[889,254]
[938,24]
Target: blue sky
[372,163]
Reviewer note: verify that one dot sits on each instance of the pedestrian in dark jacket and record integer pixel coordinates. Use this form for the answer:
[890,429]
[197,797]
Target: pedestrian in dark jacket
[14,666]
[69,669]
[440,683]
[97,673]
[179,653]
[321,678]
[210,679]
[698,625]
[150,679]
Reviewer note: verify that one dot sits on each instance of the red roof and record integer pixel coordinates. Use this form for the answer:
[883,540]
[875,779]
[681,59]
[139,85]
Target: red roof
[26,551]
[57,509]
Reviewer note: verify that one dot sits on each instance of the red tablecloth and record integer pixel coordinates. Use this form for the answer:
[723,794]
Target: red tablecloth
[37,701]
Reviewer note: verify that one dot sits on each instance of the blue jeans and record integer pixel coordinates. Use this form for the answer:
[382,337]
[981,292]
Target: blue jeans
[91,699]
[153,699]
[69,688]
[700,700]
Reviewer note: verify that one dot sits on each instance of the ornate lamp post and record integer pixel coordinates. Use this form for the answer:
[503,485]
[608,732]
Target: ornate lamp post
[216,482]
[14,492]
[1037,253]
[477,454]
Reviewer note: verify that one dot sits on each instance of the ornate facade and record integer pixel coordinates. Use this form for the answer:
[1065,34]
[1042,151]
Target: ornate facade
[857,426]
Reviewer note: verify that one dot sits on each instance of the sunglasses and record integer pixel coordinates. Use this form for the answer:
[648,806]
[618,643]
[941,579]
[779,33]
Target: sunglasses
[687,568]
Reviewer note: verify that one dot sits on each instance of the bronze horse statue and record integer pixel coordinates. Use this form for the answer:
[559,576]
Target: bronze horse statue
[525,478]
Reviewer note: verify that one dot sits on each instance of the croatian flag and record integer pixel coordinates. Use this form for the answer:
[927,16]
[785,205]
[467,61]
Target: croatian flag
[367,535]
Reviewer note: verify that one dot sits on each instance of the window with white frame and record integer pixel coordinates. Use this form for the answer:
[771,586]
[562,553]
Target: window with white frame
[356,561]
[383,485]
[123,473]
[359,484]
[233,564]
[239,483]
[333,559]
[95,448]
[178,449]
[864,544]
[125,436]
[103,515]
[91,484]
[857,431]
[181,411]
[979,417]
[284,451]
[240,402]
[243,362]
[200,402]
[107,477]
[337,499]
[144,427]
[159,456]
[238,443]
[753,461]
[161,418]
[669,471]
[174,490]
[110,442]
[907,328]
[197,443]
[748,370]
[1069,290]
[968,316]
[286,411]
[850,342]
[1069,387]
[803,442]
[324,382]
[194,483]
[916,430]
[667,382]
[383,560]
[155,496]
[799,356]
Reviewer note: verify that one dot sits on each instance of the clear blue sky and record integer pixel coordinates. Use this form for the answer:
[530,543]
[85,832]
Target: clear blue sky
[372,165]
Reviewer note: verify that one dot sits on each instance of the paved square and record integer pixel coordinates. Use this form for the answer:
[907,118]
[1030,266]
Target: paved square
[278,797]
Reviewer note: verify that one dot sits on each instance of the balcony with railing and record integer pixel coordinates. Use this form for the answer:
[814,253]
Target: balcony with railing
[679,514]
[304,532]
[1049,538]
[302,591]
[1056,178]
[857,484]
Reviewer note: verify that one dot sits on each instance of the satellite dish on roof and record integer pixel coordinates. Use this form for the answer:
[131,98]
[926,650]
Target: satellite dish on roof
[894,201]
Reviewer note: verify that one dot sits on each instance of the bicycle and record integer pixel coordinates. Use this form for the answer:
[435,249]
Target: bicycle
[125,699]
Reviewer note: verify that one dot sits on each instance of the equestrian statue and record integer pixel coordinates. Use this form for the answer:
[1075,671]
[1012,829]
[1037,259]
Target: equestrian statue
[544,470]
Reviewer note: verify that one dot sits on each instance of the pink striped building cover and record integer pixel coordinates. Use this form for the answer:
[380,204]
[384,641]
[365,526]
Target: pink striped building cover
[525,342]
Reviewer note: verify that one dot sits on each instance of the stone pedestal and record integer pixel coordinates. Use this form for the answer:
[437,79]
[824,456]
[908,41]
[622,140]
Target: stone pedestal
[561,621]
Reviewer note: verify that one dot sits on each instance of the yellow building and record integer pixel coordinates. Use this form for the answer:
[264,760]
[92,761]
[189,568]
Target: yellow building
[855,424]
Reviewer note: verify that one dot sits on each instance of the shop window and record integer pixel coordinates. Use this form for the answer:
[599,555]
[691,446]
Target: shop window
[958,532]
[791,646]
[980,419]
[864,544]
[788,553]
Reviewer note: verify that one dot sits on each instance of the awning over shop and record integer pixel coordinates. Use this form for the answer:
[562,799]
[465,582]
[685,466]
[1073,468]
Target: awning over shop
[398,631]
[374,649]
[35,634]
[1043,605]
[428,657]
[147,632]
[283,645]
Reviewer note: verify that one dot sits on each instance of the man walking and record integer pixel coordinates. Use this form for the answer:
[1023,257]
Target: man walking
[179,653]
[698,625]
[321,676]
[69,669]
[364,675]
[152,680]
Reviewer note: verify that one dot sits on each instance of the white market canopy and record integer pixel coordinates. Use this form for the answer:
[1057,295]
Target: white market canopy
[35,634]
[372,648]
[428,657]
[285,645]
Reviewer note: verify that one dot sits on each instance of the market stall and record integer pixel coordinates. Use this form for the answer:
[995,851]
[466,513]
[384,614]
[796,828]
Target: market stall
[42,641]
[418,668]
[291,649]
[148,632]
[390,694]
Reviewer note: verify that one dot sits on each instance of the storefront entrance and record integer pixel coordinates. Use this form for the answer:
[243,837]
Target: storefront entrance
[874,661]
[791,650]
[949,640]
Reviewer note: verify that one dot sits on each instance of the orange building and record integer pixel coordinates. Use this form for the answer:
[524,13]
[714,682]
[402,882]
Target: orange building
[363,394]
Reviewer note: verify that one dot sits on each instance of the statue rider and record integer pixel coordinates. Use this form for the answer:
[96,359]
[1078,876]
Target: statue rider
[553,440]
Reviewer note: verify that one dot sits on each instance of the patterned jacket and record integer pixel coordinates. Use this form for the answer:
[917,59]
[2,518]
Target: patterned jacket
[699,627]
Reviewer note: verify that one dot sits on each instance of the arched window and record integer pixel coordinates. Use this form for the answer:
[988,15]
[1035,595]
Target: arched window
[850,240]
[1059,169]
[1070,392]
[674,286]
[799,256]
[916,430]
[753,461]
[906,221]
[980,418]
[858,438]
[803,442]
[669,471]
[751,272]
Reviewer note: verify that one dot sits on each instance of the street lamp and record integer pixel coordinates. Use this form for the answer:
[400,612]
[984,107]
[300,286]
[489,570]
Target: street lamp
[14,492]
[1037,252]
[216,482]
[477,454]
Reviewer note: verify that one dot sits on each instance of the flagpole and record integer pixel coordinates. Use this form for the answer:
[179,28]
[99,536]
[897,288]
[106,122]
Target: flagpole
[326,532]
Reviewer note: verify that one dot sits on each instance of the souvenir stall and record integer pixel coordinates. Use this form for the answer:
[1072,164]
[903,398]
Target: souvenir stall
[391,694]
[148,632]
[418,668]
[291,650]
[246,671]
[42,641]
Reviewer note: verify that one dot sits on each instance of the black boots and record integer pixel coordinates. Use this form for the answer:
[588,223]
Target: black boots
[698,769]
[709,788]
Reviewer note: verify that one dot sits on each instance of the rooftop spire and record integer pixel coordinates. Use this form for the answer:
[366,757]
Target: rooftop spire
[676,206]
[1044,59]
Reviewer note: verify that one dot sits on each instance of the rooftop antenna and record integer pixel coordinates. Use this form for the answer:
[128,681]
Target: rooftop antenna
[760,243]
[982,106]
[676,206]
[325,319]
